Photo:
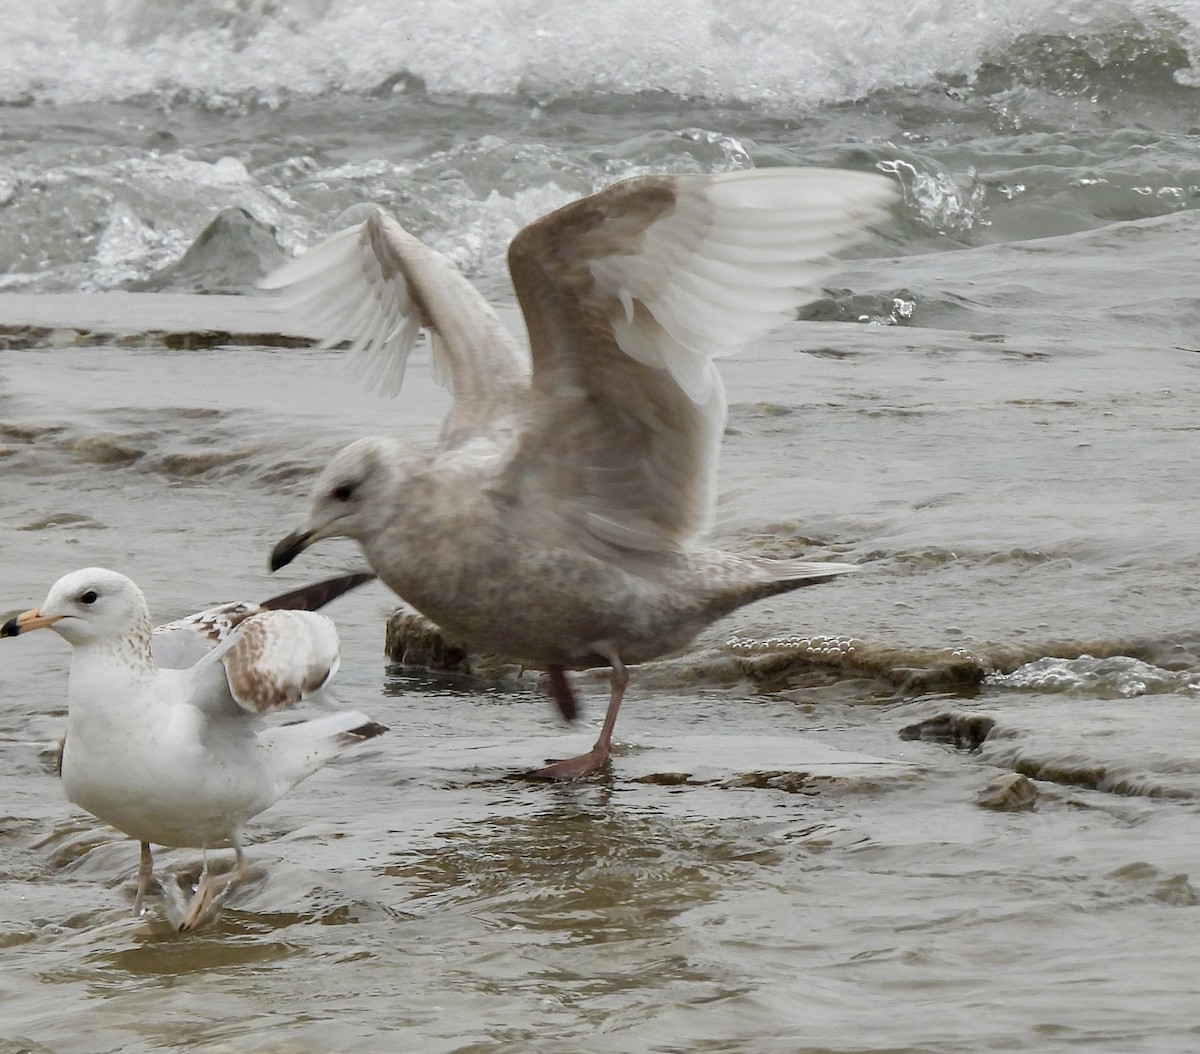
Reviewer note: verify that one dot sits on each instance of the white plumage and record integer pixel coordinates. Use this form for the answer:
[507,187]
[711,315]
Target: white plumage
[173,752]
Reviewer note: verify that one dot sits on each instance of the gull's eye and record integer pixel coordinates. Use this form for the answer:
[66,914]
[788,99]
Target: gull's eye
[343,493]
[90,597]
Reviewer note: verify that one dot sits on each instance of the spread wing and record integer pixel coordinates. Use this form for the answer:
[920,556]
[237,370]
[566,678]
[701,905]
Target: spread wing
[271,660]
[629,295]
[377,286]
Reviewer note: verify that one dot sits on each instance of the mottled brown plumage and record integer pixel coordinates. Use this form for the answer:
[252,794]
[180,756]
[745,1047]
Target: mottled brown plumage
[559,519]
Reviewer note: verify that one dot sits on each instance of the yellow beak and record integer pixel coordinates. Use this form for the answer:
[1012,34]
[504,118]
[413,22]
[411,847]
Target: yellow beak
[26,621]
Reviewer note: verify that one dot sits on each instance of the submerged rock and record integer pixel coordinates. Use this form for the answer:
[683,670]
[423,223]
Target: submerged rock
[413,640]
[963,731]
[1011,792]
[178,321]
[786,663]
[776,664]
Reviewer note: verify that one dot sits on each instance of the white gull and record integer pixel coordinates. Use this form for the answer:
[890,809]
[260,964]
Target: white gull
[559,519]
[164,739]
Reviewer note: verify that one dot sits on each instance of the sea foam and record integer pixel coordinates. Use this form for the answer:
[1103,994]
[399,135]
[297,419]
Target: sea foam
[787,53]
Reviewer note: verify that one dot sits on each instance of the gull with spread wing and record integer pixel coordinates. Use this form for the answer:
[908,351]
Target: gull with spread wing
[559,519]
[164,738]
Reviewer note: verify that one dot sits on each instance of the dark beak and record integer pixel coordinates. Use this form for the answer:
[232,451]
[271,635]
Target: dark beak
[289,548]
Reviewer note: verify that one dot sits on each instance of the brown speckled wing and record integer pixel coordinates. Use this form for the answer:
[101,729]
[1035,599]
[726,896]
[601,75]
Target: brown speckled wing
[276,658]
[185,641]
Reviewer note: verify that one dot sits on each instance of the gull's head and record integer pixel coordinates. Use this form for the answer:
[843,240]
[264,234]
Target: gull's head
[352,497]
[88,606]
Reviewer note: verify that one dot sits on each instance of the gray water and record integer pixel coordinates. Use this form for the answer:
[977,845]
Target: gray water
[993,411]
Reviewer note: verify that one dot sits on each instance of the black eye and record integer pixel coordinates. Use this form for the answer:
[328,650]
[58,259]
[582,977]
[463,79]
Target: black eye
[90,597]
[343,493]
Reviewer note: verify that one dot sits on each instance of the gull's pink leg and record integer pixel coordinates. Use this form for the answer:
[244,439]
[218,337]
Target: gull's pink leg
[209,887]
[596,758]
[145,873]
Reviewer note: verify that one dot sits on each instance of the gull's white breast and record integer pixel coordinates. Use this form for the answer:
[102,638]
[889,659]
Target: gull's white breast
[159,769]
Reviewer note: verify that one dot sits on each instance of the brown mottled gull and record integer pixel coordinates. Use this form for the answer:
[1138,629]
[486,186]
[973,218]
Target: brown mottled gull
[559,519]
[164,739]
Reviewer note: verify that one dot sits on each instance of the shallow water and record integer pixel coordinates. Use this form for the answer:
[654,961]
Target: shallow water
[1008,451]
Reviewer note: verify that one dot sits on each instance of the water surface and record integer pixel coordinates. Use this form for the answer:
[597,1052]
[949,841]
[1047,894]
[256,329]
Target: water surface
[992,411]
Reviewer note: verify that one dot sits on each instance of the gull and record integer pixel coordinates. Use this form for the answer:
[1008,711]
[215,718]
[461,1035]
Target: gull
[164,738]
[560,518]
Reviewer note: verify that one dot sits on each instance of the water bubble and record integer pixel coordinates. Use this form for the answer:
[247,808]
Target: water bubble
[940,200]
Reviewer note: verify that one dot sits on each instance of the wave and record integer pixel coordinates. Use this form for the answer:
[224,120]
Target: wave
[786,53]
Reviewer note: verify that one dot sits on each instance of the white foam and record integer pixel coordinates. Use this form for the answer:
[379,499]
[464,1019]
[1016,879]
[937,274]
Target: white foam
[793,52]
[1115,677]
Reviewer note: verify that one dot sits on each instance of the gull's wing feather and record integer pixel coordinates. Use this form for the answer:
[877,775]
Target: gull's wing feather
[272,660]
[183,642]
[377,286]
[629,295]
[316,595]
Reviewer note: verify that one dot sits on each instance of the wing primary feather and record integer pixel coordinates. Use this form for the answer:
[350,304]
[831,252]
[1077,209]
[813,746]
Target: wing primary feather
[316,595]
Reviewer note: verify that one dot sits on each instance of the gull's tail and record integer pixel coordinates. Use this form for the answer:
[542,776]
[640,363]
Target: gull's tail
[297,750]
[736,580]
[792,574]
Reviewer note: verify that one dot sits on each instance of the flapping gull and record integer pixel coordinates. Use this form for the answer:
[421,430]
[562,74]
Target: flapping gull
[559,519]
[164,738]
